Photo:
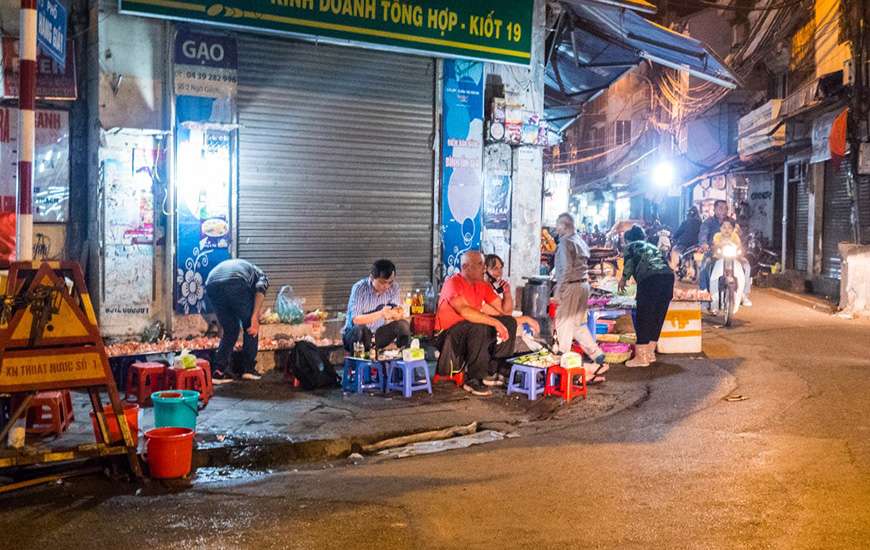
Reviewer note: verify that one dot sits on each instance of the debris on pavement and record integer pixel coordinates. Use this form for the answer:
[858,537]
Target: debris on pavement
[434,435]
[736,397]
[430,447]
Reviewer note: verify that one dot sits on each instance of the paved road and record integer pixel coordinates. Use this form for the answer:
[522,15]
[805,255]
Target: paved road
[789,467]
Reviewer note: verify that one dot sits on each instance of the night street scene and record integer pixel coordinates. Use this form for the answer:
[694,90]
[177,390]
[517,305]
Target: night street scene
[434,274]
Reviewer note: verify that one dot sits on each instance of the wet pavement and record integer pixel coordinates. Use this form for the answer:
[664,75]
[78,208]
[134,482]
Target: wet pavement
[268,424]
[677,467]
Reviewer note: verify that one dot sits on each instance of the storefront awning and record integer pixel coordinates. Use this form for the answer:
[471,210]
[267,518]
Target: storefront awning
[657,43]
[637,5]
[583,65]
[595,43]
[761,130]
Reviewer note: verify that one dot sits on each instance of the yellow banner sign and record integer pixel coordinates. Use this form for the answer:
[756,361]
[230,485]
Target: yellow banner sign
[18,373]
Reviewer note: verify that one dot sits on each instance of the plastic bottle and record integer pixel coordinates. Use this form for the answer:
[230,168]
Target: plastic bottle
[430,300]
[373,353]
[418,302]
[409,304]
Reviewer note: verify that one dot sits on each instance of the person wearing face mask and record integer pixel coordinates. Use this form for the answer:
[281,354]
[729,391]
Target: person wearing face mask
[473,331]
[494,271]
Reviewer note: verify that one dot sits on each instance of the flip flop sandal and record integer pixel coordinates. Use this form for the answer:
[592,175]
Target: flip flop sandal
[735,398]
[597,379]
[602,368]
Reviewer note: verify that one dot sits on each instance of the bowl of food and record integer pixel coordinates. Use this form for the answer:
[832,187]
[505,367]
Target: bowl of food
[215,228]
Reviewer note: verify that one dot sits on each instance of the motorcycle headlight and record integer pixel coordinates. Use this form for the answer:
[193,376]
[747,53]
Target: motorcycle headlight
[729,251]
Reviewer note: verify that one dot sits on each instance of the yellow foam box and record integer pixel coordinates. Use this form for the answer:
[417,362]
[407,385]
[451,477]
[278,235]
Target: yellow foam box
[682,330]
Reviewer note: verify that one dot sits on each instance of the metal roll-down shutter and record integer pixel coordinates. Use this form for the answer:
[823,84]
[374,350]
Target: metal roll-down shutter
[801,226]
[836,217]
[335,165]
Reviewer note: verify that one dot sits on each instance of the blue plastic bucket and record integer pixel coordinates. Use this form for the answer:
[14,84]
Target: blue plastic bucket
[175,408]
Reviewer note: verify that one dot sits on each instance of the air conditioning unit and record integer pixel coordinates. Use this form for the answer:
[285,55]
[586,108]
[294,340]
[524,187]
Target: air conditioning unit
[849,73]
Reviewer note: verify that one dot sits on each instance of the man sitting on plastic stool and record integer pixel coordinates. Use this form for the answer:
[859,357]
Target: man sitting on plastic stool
[374,311]
[475,331]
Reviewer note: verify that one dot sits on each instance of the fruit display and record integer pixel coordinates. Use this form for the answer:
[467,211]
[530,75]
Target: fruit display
[269,317]
[202,343]
[542,359]
[691,295]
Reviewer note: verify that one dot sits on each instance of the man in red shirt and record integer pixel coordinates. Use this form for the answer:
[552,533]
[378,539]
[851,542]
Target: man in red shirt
[475,331]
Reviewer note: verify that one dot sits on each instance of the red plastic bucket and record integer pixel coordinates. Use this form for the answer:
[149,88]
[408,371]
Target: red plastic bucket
[423,324]
[131,412]
[169,452]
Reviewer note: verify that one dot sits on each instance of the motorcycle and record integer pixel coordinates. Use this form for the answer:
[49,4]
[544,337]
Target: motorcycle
[727,282]
[689,263]
[761,259]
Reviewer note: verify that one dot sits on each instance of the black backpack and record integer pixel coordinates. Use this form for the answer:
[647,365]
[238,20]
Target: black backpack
[311,367]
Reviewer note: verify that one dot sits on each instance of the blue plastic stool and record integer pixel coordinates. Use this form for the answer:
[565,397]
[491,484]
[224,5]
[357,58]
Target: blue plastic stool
[532,381]
[361,375]
[408,377]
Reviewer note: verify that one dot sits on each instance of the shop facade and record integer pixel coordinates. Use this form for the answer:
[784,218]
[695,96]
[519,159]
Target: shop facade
[308,154]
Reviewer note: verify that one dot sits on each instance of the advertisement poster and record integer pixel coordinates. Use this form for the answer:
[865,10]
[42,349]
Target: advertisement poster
[205,87]
[53,81]
[462,147]
[497,203]
[203,208]
[50,175]
[129,166]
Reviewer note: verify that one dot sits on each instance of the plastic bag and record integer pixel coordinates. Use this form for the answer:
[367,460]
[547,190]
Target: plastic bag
[289,307]
[186,360]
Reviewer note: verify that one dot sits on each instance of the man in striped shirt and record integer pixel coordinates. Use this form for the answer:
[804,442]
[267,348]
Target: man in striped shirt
[375,309]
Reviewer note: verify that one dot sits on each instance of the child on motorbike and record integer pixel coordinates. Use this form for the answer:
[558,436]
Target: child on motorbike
[728,235]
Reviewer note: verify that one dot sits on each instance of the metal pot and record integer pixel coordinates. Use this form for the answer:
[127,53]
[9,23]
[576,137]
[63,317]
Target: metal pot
[536,297]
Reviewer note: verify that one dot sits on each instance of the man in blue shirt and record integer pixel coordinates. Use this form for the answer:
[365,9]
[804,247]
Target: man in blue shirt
[375,308]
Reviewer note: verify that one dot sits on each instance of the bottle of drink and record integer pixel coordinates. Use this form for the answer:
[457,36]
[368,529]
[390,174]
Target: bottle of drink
[373,353]
[409,304]
[418,301]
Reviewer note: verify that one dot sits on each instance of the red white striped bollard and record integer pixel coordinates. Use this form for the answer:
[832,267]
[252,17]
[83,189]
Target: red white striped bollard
[26,130]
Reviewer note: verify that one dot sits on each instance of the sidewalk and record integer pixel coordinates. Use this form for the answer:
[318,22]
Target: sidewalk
[267,423]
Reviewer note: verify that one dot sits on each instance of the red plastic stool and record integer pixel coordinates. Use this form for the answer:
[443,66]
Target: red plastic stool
[50,412]
[189,379]
[206,369]
[457,378]
[566,388]
[143,379]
